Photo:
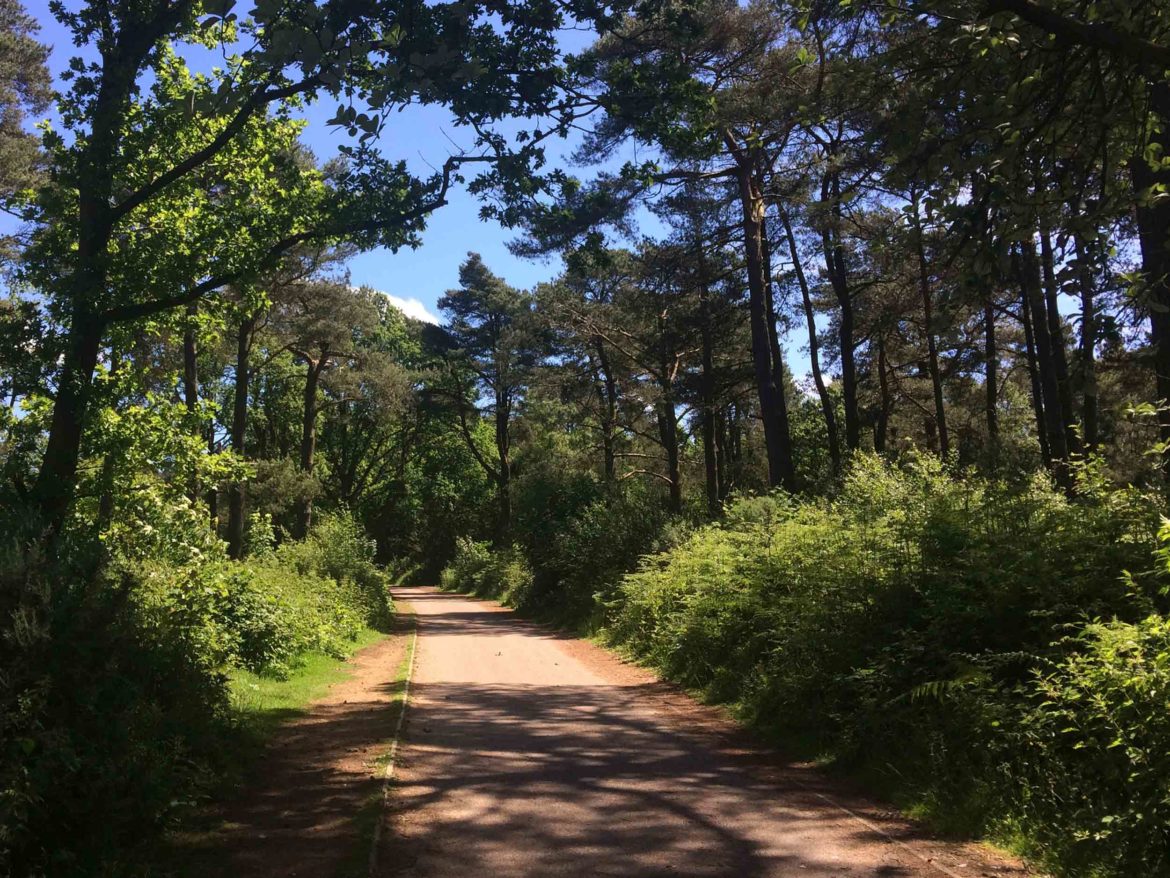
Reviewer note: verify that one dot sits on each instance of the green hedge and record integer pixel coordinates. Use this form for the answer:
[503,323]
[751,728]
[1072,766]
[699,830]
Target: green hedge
[974,645]
[503,575]
[114,702]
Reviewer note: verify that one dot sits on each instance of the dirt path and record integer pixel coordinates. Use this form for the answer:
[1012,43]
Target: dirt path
[311,805]
[530,754]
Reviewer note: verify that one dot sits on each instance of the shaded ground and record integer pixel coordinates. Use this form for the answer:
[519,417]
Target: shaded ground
[310,806]
[527,753]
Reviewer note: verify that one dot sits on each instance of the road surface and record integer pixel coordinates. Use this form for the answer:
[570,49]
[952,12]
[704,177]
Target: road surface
[528,753]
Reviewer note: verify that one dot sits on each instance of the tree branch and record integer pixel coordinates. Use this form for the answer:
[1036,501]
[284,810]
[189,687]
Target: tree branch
[1097,35]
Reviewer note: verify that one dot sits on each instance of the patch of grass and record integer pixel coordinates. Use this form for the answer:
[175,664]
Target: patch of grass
[263,703]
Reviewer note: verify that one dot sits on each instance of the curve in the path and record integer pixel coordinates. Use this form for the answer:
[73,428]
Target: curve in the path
[527,753]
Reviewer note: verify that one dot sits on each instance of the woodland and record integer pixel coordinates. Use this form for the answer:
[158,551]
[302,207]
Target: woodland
[846,404]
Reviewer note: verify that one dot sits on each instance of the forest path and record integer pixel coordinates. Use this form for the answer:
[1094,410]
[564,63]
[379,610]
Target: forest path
[530,753]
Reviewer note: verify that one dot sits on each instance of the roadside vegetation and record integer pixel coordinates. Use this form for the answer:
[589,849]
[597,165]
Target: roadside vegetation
[143,688]
[992,654]
[844,400]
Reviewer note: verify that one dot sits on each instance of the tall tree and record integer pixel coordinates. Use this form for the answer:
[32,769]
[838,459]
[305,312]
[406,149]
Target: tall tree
[323,323]
[496,337]
[142,134]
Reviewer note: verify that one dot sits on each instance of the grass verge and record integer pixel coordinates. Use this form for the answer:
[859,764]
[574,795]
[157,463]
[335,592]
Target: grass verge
[262,704]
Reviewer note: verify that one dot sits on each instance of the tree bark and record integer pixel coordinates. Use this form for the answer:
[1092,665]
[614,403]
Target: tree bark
[607,402]
[1088,355]
[56,481]
[721,454]
[814,348]
[882,425]
[1059,350]
[1153,220]
[839,280]
[707,390]
[309,440]
[668,435]
[991,375]
[779,466]
[940,413]
[1034,374]
[504,470]
[783,428]
[1037,314]
[191,382]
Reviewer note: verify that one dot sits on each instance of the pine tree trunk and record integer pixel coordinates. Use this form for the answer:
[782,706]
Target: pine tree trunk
[1059,350]
[707,382]
[940,413]
[1153,221]
[721,454]
[783,428]
[1089,404]
[607,402]
[308,442]
[839,280]
[814,348]
[881,426]
[668,435]
[1034,374]
[1045,367]
[504,468]
[991,375]
[752,206]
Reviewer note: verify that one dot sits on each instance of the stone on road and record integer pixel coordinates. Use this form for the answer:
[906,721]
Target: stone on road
[528,753]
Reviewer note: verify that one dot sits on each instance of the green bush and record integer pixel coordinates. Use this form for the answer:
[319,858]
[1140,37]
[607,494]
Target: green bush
[1087,756]
[113,697]
[580,536]
[114,700]
[904,625]
[502,575]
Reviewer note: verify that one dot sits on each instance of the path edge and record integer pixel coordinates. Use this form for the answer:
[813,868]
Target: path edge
[392,754]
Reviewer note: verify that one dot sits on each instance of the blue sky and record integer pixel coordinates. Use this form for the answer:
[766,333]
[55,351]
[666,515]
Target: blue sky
[423,137]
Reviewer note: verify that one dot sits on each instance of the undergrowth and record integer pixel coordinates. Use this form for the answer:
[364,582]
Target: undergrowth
[116,711]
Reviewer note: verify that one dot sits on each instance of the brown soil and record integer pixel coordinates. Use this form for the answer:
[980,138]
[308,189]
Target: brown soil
[301,813]
[529,753]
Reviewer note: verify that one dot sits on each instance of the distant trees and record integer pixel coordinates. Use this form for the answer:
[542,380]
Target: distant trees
[25,88]
[166,188]
[497,340]
[323,324]
[907,189]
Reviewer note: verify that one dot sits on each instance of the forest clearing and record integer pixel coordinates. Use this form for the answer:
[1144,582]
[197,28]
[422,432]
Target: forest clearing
[584,437]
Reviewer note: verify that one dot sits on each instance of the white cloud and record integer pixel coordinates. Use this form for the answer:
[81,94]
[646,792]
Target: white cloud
[412,308]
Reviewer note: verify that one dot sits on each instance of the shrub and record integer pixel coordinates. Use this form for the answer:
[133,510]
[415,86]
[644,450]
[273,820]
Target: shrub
[338,549]
[1087,756]
[114,703]
[905,625]
[580,537]
[113,708]
[503,575]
